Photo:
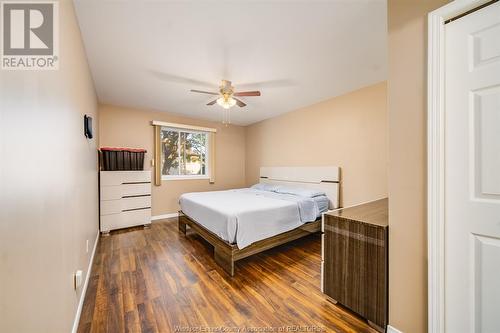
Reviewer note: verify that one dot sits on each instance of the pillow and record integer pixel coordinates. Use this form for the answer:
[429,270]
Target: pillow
[265,187]
[299,191]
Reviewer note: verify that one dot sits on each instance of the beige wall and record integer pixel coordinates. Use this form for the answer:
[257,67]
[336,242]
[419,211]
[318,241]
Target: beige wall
[407,163]
[48,187]
[128,127]
[44,228]
[349,131]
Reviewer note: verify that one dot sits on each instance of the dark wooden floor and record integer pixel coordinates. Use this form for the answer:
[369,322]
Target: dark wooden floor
[156,280]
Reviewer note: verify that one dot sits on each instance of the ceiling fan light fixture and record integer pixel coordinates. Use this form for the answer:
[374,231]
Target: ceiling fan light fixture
[226,103]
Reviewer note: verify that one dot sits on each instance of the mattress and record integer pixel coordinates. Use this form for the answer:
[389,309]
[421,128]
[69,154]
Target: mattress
[244,216]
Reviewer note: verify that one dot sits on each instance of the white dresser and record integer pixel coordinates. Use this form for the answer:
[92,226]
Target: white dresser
[125,199]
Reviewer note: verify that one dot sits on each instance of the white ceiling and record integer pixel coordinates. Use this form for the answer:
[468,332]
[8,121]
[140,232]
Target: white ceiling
[149,54]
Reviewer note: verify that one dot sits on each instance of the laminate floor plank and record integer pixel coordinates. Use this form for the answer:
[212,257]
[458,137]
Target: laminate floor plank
[158,280]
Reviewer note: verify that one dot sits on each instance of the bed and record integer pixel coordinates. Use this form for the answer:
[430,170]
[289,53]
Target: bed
[285,205]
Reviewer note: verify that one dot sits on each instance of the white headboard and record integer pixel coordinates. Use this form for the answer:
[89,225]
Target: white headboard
[320,178]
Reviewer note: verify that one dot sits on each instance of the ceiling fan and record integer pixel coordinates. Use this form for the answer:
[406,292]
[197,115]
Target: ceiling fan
[227,95]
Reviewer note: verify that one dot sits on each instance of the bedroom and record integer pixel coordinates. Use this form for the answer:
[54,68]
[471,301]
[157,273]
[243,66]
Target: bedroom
[270,166]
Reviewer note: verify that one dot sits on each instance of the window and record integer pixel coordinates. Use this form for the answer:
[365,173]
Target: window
[184,153]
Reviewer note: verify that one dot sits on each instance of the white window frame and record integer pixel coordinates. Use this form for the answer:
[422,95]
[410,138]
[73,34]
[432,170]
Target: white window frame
[207,154]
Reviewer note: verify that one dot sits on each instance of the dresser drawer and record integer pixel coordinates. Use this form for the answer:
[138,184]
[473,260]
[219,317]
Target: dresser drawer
[110,178]
[355,265]
[125,199]
[125,190]
[118,206]
[354,250]
[125,219]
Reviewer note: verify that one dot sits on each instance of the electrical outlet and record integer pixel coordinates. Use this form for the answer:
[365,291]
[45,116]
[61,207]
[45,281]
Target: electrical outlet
[87,246]
[77,279]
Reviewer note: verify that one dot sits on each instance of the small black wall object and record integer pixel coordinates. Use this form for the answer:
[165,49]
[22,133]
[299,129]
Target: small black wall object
[87,125]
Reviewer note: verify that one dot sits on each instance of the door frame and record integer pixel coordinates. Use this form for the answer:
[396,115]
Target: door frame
[436,62]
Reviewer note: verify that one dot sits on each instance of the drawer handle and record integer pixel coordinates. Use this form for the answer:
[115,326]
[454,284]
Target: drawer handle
[129,210]
[136,196]
[127,183]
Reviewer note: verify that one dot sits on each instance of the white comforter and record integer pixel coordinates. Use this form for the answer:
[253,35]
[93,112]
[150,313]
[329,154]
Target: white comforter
[244,216]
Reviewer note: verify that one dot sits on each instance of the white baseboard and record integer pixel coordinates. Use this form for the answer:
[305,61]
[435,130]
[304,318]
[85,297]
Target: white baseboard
[391,329]
[84,289]
[164,216]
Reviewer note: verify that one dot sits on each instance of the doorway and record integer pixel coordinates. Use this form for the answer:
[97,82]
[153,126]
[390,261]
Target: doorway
[464,167]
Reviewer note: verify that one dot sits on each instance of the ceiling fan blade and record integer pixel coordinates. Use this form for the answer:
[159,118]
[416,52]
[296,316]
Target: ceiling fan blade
[204,92]
[181,80]
[283,83]
[247,93]
[239,103]
[212,102]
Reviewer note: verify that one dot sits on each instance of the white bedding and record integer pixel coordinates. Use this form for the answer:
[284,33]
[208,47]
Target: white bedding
[244,216]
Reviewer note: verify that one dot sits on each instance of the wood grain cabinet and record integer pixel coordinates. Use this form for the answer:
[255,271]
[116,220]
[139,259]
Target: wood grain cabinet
[355,260]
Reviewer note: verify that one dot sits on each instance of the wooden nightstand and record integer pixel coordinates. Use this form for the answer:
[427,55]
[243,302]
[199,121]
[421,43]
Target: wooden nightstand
[355,260]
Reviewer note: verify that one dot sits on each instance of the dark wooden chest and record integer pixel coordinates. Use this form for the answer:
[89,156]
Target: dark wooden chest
[355,260]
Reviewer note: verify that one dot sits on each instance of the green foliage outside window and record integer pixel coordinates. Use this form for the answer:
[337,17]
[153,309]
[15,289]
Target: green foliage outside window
[184,153]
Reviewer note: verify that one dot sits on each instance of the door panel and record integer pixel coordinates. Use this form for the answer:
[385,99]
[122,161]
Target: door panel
[472,172]
[485,49]
[486,118]
[486,283]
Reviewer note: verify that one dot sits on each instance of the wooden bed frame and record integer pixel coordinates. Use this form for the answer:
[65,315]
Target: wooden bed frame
[226,254]
[320,178]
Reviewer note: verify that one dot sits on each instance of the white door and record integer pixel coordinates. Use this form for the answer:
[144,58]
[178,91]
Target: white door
[472,172]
